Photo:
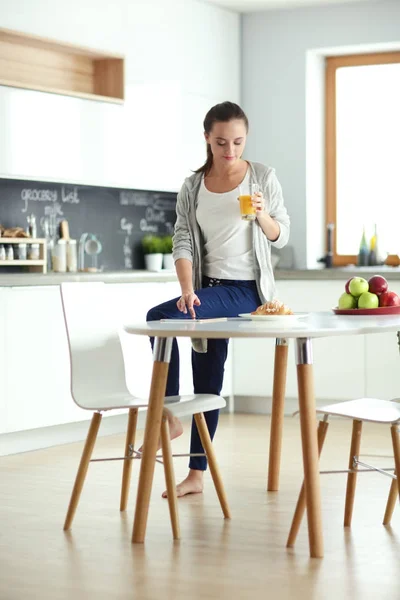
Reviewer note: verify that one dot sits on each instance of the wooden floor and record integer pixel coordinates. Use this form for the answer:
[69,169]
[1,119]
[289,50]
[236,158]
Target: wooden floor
[241,559]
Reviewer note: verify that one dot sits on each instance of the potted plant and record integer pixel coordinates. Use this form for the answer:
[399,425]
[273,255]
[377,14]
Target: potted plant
[152,249]
[168,261]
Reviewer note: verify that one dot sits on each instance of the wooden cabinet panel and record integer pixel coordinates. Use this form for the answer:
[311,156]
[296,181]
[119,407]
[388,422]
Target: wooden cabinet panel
[37,63]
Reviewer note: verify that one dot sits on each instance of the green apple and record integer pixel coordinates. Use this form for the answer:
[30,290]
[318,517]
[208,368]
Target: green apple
[347,301]
[368,300]
[358,286]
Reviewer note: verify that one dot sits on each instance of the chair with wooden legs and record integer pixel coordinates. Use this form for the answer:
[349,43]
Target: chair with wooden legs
[363,409]
[98,384]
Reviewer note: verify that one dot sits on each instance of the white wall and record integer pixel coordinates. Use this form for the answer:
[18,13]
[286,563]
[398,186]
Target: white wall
[182,56]
[276,47]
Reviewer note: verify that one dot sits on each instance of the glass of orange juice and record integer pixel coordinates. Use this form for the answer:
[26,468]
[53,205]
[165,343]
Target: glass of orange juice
[247,210]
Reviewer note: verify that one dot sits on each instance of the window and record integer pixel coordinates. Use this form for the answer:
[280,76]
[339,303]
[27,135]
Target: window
[363,152]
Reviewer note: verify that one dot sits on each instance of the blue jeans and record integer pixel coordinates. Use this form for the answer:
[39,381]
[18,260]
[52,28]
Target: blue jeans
[219,298]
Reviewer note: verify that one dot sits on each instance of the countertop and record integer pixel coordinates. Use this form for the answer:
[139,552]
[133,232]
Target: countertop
[341,273]
[142,276]
[38,279]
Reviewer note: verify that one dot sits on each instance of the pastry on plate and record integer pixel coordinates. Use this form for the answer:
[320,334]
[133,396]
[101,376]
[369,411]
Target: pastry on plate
[273,307]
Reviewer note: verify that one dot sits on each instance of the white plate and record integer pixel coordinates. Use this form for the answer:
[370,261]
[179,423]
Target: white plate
[283,319]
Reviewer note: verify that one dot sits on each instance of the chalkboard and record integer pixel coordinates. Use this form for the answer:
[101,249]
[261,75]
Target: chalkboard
[119,218]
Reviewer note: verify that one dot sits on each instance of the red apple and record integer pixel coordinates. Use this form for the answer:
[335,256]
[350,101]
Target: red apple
[389,299]
[378,284]
[346,287]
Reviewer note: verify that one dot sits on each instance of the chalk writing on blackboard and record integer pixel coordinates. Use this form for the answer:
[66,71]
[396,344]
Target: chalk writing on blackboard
[69,195]
[148,227]
[170,228]
[127,228]
[157,201]
[34,195]
[164,204]
[91,208]
[128,198]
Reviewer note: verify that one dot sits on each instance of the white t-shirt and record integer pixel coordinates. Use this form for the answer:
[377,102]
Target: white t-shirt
[228,251]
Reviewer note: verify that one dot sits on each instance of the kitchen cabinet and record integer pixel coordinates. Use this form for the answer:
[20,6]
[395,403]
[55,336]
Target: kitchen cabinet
[49,137]
[38,393]
[254,359]
[46,137]
[382,362]
[34,62]
[132,301]
[34,357]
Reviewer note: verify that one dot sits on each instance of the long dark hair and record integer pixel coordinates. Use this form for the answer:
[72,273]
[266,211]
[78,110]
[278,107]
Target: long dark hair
[224,112]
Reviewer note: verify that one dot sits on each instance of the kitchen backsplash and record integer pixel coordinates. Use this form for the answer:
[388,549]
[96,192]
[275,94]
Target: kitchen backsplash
[117,218]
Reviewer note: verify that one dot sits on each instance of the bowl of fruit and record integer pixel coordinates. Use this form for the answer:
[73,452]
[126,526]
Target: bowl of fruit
[372,297]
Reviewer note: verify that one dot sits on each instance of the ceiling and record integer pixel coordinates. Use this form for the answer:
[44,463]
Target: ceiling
[254,5]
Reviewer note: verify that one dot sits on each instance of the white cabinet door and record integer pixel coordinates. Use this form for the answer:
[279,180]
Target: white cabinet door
[35,368]
[3,366]
[382,372]
[338,361]
[37,360]
[54,137]
[132,302]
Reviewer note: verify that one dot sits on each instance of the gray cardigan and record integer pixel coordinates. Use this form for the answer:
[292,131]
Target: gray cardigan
[188,240]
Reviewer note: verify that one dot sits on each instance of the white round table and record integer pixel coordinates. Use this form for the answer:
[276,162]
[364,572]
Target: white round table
[315,325]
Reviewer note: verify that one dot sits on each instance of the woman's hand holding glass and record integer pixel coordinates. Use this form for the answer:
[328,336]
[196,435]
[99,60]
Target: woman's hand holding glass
[258,202]
[250,204]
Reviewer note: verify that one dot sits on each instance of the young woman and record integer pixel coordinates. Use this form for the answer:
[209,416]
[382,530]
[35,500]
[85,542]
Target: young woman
[223,263]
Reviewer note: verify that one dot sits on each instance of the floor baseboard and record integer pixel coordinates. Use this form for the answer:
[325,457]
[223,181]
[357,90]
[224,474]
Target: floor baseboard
[262,405]
[45,437]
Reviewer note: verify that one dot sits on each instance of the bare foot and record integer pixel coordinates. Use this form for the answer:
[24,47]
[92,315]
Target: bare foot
[175,428]
[193,484]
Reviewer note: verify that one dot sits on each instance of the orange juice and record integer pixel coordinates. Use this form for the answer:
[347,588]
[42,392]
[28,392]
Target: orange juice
[247,211]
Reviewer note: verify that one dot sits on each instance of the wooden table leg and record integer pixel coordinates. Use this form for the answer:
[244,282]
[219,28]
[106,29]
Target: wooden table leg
[162,354]
[395,430]
[277,414]
[308,424]
[301,502]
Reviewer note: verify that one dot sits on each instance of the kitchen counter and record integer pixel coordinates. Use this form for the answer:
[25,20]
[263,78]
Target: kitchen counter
[31,310]
[39,279]
[338,273]
[142,276]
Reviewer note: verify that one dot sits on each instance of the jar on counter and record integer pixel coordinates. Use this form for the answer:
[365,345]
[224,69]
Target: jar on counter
[21,252]
[9,252]
[72,257]
[32,229]
[59,257]
[34,252]
[2,252]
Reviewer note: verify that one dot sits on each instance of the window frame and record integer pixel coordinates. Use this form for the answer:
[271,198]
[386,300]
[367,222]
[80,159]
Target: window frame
[332,63]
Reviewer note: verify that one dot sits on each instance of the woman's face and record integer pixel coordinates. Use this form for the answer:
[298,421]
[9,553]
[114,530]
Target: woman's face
[227,141]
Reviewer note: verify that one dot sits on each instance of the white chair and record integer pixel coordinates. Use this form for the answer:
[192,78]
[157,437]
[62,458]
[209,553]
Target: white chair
[363,409]
[98,384]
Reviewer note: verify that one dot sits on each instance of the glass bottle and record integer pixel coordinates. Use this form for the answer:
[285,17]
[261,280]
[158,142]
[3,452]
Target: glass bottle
[9,252]
[372,257]
[363,252]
